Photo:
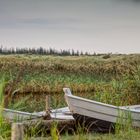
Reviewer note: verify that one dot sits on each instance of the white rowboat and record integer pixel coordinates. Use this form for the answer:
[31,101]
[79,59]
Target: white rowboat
[102,112]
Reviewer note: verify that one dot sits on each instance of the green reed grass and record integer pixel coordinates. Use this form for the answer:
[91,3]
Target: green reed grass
[114,80]
[124,122]
[4,126]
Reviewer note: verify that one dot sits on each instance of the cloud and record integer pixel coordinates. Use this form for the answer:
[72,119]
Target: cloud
[40,23]
[104,25]
[50,21]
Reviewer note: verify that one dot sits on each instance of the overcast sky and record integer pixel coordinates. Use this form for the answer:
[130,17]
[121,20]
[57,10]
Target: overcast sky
[89,25]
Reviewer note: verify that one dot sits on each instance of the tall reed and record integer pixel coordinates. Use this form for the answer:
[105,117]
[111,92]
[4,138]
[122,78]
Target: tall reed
[4,126]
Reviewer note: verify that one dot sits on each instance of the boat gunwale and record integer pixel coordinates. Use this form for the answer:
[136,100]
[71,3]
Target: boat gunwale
[103,104]
[20,112]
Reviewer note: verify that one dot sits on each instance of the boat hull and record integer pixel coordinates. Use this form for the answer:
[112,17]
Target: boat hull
[102,111]
[93,124]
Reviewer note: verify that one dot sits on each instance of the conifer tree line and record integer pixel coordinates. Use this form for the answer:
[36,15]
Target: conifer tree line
[42,51]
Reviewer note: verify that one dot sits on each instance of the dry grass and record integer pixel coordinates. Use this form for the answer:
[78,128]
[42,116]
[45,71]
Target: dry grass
[113,78]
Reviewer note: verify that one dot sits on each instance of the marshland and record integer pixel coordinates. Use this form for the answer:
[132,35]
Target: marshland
[91,47]
[109,78]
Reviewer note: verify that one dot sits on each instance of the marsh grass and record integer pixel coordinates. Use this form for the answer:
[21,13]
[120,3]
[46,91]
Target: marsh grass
[54,131]
[95,136]
[124,122]
[115,80]
[4,126]
[49,74]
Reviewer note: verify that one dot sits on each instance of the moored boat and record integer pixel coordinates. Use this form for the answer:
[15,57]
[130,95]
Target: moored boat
[101,115]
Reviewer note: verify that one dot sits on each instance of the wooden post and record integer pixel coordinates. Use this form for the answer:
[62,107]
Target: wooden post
[48,107]
[17,131]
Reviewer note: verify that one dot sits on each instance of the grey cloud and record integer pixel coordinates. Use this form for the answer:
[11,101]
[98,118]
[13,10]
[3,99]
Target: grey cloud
[71,23]
[53,21]
[41,23]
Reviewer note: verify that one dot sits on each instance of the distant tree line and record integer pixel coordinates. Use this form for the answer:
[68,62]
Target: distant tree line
[42,51]
[50,51]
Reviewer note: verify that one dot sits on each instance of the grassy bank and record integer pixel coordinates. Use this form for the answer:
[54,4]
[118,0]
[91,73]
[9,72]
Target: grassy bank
[115,75]
[113,79]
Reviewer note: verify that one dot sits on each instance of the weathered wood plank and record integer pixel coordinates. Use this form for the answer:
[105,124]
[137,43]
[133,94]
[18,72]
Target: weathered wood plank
[61,113]
[17,131]
[19,115]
